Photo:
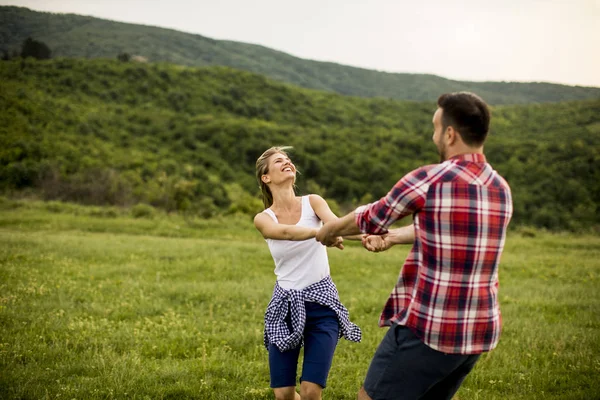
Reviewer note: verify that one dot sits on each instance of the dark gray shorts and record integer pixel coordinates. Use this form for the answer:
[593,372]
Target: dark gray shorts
[405,368]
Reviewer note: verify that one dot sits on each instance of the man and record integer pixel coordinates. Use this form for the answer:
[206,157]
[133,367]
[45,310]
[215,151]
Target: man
[443,312]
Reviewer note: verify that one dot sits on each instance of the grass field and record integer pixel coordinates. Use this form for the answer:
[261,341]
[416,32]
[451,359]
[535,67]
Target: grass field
[96,304]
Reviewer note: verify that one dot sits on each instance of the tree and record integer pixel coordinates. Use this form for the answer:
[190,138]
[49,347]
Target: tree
[123,57]
[35,49]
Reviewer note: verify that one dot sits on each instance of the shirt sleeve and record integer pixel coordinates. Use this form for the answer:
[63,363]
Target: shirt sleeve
[406,197]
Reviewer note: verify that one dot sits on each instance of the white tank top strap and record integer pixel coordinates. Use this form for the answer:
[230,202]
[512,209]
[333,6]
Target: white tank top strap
[272,214]
[307,210]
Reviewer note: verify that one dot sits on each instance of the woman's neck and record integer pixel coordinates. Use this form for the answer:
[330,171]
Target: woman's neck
[283,198]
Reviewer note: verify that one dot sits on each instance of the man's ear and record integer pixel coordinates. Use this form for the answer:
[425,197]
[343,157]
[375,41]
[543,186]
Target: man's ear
[451,134]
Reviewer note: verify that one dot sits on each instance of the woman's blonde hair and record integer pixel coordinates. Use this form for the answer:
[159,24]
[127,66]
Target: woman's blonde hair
[262,167]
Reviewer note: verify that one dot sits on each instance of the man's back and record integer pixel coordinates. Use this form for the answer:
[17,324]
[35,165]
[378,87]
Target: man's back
[447,290]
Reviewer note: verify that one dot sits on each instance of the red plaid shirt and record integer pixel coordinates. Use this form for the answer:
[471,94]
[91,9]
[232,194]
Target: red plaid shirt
[447,292]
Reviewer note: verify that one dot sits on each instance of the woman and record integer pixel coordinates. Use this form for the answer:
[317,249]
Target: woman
[305,308]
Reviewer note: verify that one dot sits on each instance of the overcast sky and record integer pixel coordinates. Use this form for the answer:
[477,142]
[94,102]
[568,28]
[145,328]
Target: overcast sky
[504,40]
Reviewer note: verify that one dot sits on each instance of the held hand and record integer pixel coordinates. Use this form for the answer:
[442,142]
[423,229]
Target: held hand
[325,238]
[339,243]
[376,243]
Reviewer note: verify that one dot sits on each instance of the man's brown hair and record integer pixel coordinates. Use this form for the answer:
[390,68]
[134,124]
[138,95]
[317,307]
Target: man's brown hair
[468,114]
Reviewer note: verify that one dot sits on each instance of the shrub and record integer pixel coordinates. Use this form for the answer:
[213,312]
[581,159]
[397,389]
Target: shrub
[526,231]
[124,57]
[143,211]
[241,201]
[36,49]
[103,212]
[207,208]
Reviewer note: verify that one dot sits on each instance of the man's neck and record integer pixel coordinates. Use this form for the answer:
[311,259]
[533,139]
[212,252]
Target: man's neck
[463,150]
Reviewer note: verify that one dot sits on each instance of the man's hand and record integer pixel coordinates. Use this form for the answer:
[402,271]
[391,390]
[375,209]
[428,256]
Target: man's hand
[376,243]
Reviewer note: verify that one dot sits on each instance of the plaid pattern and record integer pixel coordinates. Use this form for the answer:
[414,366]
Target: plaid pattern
[447,292]
[323,292]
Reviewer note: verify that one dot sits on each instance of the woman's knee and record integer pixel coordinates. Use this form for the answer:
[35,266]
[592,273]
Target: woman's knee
[310,391]
[286,393]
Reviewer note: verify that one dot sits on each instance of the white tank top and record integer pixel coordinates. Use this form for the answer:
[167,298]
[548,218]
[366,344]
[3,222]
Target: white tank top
[299,264]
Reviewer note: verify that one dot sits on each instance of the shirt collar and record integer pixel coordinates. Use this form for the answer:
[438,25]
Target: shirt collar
[472,157]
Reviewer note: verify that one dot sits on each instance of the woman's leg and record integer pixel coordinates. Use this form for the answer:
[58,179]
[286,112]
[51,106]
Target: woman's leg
[282,368]
[320,340]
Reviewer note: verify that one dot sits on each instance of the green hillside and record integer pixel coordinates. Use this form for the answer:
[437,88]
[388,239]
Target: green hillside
[180,138]
[70,35]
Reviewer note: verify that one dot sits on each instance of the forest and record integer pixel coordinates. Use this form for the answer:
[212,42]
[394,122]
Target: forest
[185,139]
[70,35]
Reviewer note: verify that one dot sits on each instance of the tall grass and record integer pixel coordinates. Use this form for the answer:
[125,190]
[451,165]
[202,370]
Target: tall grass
[97,304]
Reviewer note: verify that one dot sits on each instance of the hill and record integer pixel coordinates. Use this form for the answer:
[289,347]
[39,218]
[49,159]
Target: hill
[186,139]
[71,35]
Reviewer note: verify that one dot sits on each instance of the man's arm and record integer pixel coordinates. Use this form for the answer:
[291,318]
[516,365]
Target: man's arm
[405,198]
[403,235]
[344,226]
[377,243]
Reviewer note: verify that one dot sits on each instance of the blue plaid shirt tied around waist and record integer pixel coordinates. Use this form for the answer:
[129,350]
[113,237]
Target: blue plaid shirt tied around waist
[323,292]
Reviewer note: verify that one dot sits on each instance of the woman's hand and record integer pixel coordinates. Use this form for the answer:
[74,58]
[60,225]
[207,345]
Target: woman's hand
[339,243]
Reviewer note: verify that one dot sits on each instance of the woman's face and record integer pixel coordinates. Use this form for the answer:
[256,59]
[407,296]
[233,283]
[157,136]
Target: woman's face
[281,169]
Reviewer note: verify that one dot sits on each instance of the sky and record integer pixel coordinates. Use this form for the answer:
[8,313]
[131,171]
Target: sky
[555,41]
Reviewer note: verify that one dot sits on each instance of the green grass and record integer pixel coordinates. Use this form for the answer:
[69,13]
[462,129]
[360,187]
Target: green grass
[97,304]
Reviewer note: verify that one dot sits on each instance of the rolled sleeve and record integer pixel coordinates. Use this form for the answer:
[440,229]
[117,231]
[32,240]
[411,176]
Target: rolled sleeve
[406,197]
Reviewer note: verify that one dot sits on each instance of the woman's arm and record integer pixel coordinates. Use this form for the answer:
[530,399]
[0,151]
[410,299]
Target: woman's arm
[321,208]
[272,230]
[325,214]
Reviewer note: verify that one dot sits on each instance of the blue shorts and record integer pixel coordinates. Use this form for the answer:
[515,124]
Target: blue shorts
[320,339]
